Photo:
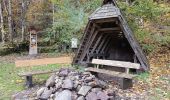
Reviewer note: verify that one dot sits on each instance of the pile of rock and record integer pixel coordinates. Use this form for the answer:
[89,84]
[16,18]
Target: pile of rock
[68,84]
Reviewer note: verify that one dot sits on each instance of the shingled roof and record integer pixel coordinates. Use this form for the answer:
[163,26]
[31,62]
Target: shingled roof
[108,36]
[106,11]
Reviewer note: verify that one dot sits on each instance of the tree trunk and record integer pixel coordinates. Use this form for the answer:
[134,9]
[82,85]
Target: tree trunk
[53,12]
[2,24]
[53,7]
[10,21]
[23,20]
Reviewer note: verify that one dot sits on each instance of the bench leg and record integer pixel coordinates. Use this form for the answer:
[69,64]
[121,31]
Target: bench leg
[28,82]
[125,83]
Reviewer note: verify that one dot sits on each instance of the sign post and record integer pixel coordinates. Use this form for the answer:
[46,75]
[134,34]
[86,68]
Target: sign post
[74,44]
[33,43]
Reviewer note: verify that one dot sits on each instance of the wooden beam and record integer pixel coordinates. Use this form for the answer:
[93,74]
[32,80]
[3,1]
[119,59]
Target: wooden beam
[116,63]
[102,43]
[105,45]
[97,26]
[95,46]
[97,43]
[36,73]
[110,29]
[110,32]
[112,73]
[86,45]
[108,46]
[105,20]
[90,41]
[81,42]
[96,54]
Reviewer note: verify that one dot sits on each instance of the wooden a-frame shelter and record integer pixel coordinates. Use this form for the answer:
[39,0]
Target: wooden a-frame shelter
[108,36]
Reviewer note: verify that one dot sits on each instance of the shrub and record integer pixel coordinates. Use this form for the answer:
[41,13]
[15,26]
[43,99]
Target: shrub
[71,18]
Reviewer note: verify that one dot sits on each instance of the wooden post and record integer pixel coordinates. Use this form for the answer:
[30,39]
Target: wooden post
[127,70]
[28,82]
[125,83]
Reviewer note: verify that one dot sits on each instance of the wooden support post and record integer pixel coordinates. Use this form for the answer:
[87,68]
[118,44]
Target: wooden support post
[109,29]
[125,83]
[127,70]
[28,82]
[135,59]
[106,20]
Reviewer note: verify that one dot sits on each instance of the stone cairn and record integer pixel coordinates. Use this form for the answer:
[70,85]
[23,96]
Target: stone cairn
[69,84]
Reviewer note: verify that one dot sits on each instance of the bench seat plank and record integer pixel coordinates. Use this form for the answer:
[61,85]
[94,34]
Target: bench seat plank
[112,73]
[116,63]
[36,73]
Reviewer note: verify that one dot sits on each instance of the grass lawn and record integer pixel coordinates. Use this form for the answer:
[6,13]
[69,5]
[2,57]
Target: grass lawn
[11,83]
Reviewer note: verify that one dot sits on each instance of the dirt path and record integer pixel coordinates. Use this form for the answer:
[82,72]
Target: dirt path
[44,61]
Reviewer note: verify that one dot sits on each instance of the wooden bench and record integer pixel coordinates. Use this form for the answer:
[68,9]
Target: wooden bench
[125,77]
[28,76]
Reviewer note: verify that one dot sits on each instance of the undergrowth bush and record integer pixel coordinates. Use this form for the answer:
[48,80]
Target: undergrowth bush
[71,18]
[148,11]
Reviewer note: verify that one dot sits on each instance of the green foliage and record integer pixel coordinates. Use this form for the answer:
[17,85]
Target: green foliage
[143,76]
[146,40]
[163,40]
[8,48]
[91,5]
[148,48]
[142,35]
[79,68]
[146,9]
[71,18]
[150,12]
